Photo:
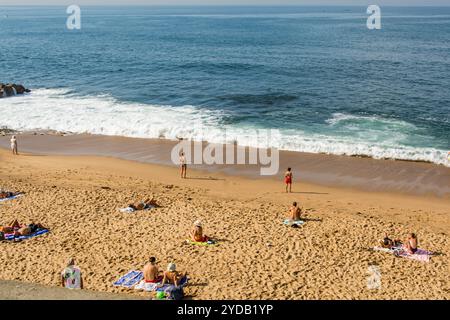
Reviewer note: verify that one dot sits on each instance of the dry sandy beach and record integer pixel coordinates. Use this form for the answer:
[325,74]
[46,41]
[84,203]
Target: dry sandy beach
[78,198]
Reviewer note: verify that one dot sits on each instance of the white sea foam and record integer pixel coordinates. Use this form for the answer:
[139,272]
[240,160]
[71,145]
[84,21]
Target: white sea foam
[57,109]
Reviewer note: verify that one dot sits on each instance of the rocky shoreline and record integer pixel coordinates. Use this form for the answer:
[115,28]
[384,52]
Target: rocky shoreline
[12,89]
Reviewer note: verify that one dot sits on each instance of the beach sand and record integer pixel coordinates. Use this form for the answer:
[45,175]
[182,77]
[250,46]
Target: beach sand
[78,198]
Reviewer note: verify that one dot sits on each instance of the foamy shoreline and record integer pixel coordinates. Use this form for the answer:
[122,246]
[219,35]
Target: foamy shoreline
[365,136]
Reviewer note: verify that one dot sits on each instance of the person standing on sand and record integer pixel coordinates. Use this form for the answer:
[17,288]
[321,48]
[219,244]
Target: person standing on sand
[288,179]
[183,165]
[151,271]
[14,145]
[71,276]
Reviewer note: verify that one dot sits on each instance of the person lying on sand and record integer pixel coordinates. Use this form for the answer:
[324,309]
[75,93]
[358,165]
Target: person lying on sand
[294,212]
[21,229]
[172,276]
[6,194]
[71,276]
[151,271]
[389,243]
[197,233]
[143,204]
[411,243]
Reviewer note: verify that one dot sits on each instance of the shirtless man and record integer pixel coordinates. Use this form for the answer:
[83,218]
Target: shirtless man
[172,276]
[197,233]
[288,179]
[151,272]
[295,212]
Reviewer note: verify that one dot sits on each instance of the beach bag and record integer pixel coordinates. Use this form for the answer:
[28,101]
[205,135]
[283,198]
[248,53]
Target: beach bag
[72,277]
[174,293]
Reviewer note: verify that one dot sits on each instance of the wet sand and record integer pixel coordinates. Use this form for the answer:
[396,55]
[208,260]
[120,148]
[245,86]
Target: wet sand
[327,170]
[78,198]
[16,290]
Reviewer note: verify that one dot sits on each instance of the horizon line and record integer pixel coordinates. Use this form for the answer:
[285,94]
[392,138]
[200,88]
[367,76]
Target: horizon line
[227,5]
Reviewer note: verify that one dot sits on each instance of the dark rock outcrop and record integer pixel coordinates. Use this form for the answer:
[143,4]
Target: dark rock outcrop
[12,89]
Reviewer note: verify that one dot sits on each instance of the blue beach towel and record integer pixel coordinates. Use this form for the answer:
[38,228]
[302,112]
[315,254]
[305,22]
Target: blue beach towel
[183,282]
[10,237]
[130,279]
[142,285]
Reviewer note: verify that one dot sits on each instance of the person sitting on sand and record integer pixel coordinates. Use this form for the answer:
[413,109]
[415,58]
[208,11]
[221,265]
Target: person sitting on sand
[144,204]
[172,276]
[151,271]
[71,276]
[411,243]
[295,212]
[288,179]
[197,233]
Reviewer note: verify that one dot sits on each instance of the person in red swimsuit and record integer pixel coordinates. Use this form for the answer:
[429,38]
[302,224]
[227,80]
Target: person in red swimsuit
[288,180]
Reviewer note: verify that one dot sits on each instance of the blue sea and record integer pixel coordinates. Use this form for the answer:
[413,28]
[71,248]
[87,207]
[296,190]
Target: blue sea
[316,78]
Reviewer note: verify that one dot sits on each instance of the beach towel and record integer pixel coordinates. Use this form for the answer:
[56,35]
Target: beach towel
[419,255]
[131,210]
[142,285]
[10,236]
[290,222]
[11,198]
[130,279]
[205,244]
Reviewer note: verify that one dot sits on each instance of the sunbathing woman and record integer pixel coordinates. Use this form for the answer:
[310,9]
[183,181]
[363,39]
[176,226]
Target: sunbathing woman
[172,276]
[144,204]
[411,243]
[197,233]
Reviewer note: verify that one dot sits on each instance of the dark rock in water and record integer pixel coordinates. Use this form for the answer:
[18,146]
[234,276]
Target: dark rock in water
[12,89]
[20,89]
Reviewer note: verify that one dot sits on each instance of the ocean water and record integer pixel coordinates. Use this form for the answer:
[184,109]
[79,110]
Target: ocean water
[314,77]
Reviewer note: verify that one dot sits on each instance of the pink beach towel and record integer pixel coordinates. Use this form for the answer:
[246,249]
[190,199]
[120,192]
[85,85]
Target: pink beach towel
[420,255]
